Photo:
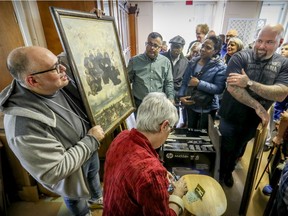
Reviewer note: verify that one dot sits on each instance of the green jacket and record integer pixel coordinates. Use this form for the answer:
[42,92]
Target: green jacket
[148,75]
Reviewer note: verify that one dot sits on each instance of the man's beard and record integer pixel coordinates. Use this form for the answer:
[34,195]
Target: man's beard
[260,57]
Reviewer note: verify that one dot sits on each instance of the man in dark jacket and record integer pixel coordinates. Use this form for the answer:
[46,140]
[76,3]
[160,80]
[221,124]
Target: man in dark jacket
[178,60]
[179,63]
[256,78]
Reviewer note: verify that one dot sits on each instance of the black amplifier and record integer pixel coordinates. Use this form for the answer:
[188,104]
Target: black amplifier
[190,132]
[184,154]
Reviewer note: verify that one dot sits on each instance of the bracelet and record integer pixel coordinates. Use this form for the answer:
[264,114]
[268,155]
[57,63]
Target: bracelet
[178,201]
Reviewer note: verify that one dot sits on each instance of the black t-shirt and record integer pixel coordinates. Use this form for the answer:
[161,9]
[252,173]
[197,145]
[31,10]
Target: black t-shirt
[268,72]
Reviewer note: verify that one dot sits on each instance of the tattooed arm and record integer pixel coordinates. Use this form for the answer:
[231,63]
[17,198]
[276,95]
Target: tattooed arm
[276,92]
[243,97]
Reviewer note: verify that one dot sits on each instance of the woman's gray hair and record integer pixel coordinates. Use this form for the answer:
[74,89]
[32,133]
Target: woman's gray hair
[154,109]
[238,42]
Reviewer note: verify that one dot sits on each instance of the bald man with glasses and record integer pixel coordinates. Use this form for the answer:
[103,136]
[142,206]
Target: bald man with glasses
[48,130]
[57,68]
[151,72]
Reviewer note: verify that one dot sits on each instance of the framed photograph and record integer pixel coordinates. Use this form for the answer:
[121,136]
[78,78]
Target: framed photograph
[96,60]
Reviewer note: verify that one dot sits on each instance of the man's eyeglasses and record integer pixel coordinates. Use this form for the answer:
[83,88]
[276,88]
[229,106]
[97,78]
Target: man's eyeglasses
[156,46]
[56,67]
[172,128]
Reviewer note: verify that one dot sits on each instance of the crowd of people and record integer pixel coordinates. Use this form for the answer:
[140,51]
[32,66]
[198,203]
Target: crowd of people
[49,131]
[244,83]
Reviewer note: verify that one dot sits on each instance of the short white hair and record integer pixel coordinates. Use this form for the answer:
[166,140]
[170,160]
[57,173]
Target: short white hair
[154,109]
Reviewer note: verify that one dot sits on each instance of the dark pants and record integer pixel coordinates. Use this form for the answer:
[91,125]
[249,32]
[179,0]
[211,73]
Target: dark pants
[199,120]
[279,207]
[275,172]
[137,104]
[234,138]
[78,206]
[184,115]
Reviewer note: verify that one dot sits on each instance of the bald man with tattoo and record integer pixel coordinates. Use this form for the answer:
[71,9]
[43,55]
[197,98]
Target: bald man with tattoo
[255,79]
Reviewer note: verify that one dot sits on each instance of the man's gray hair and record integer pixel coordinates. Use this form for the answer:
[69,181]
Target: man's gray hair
[154,109]
[17,63]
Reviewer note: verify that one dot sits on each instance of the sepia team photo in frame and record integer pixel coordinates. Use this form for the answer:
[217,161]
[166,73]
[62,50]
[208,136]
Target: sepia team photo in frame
[96,60]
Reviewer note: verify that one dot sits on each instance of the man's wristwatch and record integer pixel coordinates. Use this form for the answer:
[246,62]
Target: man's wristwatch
[249,83]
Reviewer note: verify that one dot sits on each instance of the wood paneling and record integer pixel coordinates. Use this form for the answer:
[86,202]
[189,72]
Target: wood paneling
[132,34]
[133,29]
[11,38]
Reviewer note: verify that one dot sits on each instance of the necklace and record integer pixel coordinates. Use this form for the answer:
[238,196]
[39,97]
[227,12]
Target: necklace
[64,108]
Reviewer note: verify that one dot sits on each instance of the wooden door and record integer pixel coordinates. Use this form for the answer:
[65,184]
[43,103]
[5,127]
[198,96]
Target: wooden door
[11,38]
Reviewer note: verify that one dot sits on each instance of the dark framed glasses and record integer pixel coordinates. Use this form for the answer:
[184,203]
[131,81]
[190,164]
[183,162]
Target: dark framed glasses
[56,67]
[156,46]
[172,128]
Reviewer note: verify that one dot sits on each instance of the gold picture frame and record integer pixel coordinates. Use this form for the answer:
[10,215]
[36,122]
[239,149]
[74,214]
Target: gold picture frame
[95,56]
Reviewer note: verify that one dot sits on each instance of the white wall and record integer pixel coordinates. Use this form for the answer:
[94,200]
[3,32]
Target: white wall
[276,12]
[173,17]
[286,28]
[168,17]
[145,22]
[177,18]
[241,9]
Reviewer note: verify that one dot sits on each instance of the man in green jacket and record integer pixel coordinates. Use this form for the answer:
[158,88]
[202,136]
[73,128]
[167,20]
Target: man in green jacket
[151,72]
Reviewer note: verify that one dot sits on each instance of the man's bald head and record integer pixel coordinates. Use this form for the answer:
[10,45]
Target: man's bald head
[21,61]
[275,29]
[230,34]
[268,40]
